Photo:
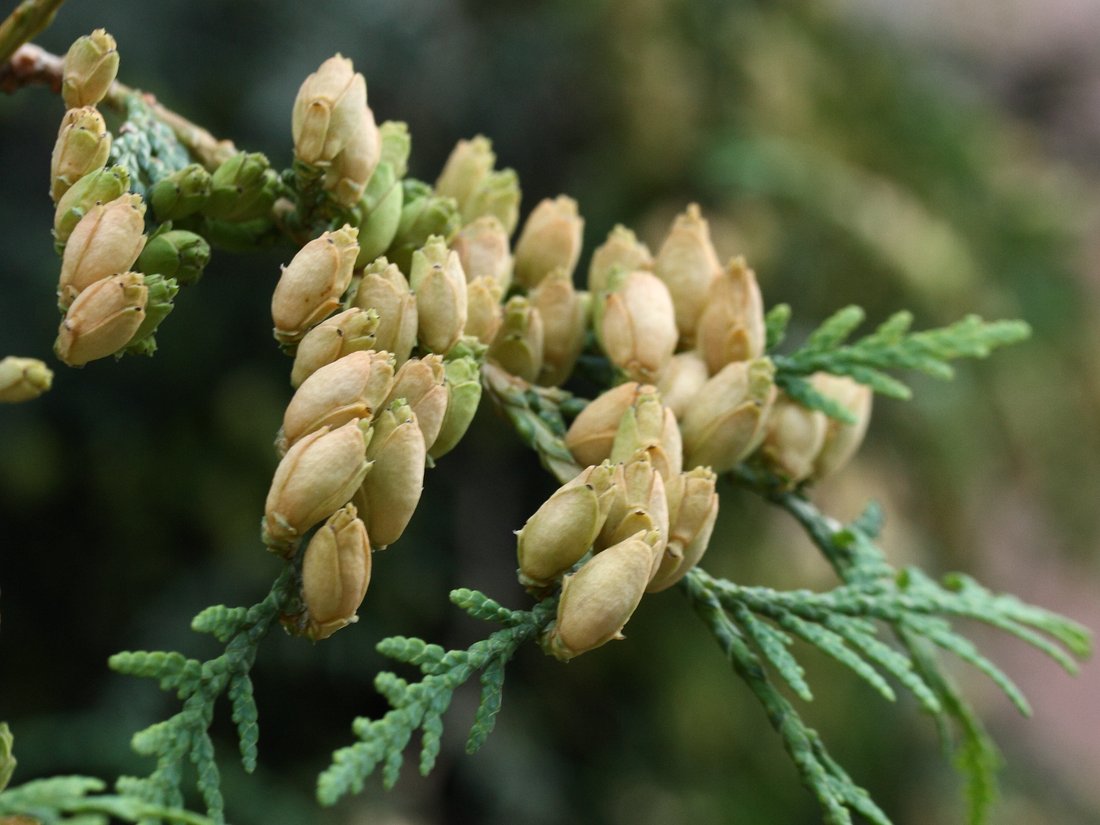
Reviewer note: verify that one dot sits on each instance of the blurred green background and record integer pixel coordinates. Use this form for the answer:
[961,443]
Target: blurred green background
[934,158]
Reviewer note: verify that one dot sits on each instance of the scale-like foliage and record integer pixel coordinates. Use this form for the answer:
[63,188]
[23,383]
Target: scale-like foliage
[78,800]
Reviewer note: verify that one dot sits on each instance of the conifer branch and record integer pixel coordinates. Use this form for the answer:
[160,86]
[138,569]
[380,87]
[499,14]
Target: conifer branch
[61,799]
[29,18]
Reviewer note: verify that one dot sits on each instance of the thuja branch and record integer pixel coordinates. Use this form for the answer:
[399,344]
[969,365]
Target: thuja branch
[420,705]
[80,798]
[29,18]
[185,736]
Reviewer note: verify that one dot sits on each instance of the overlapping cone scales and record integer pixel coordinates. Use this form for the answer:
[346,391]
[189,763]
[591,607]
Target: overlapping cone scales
[687,264]
[562,310]
[725,421]
[636,325]
[463,379]
[593,431]
[386,290]
[380,207]
[310,287]
[336,570]
[347,177]
[842,440]
[693,510]
[518,345]
[794,436]
[316,477]
[648,427]
[638,503]
[682,378]
[731,326]
[550,238]
[439,283]
[497,195]
[484,314]
[103,319]
[105,242]
[22,379]
[483,249]
[83,144]
[89,68]
[353,330]
[98,186]
[388,496]
[467,167]
[327,111]
[621,251]
[421,382]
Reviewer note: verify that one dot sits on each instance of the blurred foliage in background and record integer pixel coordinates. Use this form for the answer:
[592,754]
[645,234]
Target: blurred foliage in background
[846,164]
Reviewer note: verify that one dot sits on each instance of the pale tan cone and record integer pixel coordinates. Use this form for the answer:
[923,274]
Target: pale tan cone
[468,165]
[310,287]
[83,145]
[23,379]
[102,319]
[439,283]
[484,314]
[599,599]
[638,503]
[384,288]
[793,438]
[731,326]
[89,68]
[389,494]
[497,195]
[649,427]
[688,264]
[336,571]
[353,330]
[327,111]
[422,383]
[637,325]
[518,344]
[354,386]
[693,510]
[621,251]
[483,249]
[592,433]
[316,477]
[842,440]
[680,381]
[562,310]
[550,238]
[105,242]
[725,422]
[563,529]
[351,169]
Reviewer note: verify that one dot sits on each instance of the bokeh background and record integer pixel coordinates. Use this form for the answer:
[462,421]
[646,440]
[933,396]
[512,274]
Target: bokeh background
[935,156]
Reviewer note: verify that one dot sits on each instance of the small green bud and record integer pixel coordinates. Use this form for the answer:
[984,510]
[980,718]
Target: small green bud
[682,378]
[564,326]
[310,287]
[7,761]
[89,69]
[98,186]
[380,207]
[439,283]
[336,570]
[105,242]
[688,264]
[484,314]
[636,324]
[182,193]
[162,291]
[842,440]
[83,144]
[327,111]
[346,178]
[482,246]
[422,383]
[497,195]
[384,290]
[592,433]
[563,529]
[469,163]
[177,254]
[622,250]
[599,599]
[22,379]
[550,238]
[518,346]
[725,421]
[102,319]
[353,330]
[693,510]
[423,214]
[731,325]
[389,494]
[316,477]
[242,188]
[463,378]
[396,144]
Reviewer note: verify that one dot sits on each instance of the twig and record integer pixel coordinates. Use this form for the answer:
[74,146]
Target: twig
[29,18]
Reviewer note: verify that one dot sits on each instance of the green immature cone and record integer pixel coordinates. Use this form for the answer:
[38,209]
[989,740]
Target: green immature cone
[182,193]
[389,494]
[7,761]
[483,248]
[649,427]
[439,283]
[347,176]
[793,438]
[98,186]
[518,345]
[682,378]
[316,477]
[177,254]
[242,188]
[563,529]
[636,324]
[336,570]
[842,440]
[162,292]
[484,314]
[725,421]
[310,287]
[497,195]
[104,242]
[693,510]
[638,503]
[731,326]
[688,264]
[353,330]
[467,167]
[384,290]
[380,207]
[463,378]
[327,111]
[621,251]
[423,214]
[103,319]
[550,238]
[354,386]
[89,69]
[396,145]
[83,144]
[22,379]
[593,431]
[563,314]
[422,383]
[599,599]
